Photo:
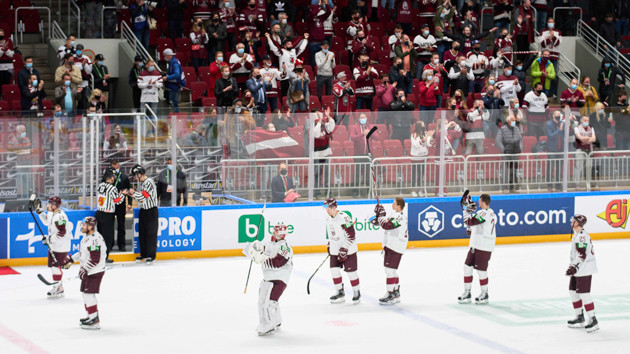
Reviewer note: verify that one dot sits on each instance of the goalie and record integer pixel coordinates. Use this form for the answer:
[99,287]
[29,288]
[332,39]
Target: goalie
[276,259]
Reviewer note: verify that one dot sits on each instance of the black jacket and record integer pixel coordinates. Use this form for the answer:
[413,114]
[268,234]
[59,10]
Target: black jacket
[218,43]
[23,75]
[99,73]
[27,96]
[226,98]
[133,76]
[278,189]
[175,10]
[608,31]
[163,184]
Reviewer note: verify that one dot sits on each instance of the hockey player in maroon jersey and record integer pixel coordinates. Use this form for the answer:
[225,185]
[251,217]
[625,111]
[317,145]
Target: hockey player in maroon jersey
[342,248]
[583,266]
[276,259]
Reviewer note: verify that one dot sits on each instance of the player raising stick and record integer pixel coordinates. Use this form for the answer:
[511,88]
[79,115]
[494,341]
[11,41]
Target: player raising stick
[91,256]
[394,245]
[276,258]
[483,235]
[342,248]
[56,220]
[583,266]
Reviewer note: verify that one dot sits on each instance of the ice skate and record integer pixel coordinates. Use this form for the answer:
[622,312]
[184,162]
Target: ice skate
[339,297]
[139,259]
[592,326]
[397,295]
[266,329]
[93,323]
[150,261]
[56,292]
[84,319]
[465,298]
[356,298]
[388,300]
[577,322]
[482,299]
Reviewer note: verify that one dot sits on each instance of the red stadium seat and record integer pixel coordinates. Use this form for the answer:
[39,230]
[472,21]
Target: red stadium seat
[183,58]
[393,148]
[528,143]
[163,43]
[198,91]
[203,73]
[209,101]
[183,44]
[191,75]
[10,93]
[341,133]
[337,148]
[348,147]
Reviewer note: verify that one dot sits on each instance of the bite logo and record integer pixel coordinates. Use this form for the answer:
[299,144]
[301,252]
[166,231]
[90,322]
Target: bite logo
[616,213]
[431,221]
[248,228]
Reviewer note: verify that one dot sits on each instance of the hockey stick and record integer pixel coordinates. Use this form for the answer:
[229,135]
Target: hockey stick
[52,255]
[367,142]
[308,283]
[257,234]
[41,277]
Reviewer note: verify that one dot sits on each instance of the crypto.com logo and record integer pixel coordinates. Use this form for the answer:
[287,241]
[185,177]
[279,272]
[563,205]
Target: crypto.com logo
[431,221]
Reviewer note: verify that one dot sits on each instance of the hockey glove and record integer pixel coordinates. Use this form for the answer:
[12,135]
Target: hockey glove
[44,240]
[82,273]
[374,221]
[379,210]
[67,262]
[572,269]
[257,245]
[343,254]
[39,210]
[471,207]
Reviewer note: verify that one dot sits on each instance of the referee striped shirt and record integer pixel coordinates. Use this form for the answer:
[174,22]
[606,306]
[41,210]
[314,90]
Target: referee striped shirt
[108,198]
[147,195]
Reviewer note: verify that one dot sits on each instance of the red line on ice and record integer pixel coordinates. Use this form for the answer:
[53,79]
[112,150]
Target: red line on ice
[20,341]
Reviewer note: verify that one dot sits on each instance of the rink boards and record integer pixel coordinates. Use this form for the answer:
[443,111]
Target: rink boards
[214,231]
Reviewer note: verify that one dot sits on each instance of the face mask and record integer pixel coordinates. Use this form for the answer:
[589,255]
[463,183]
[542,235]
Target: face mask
[436,61]
[397,34]
[600,112]
[240,50]
[1,38]
[150,68]
[325,51]
[623,102]
[512,124]
[23,135]
[442,15]
[237,109]
[72,43]
[455,48]
[406,42]
[587,84]
[284,21]
[364,64]
[67,83]
[607,65]
[251,6]
[79,52]
[426,33]
[227,4]
[503,35]
[453,106]
[170,167]
[399,66]
[97,97]
[70,63]
[34,83]
[226,74]
[140,64]
[516,105]
[283,171]
[267,63]
[360,38]
[220,59]
[57,114]
[298,70]
[585,124]
[215,20]
[429,77]
[363,121]
[550,25]
[573,87]
[491,82]
[476,49]
[101,63]
[519,68]
[29,65]
[509,72]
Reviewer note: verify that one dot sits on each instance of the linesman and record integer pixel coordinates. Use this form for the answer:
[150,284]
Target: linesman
[108,198]
[146,195]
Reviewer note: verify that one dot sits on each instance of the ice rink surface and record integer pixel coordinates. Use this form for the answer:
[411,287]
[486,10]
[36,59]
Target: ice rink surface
[198,306]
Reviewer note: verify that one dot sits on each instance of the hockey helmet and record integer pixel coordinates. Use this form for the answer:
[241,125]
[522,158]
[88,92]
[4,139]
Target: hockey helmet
[580,219]
[280,232]
[330,202]
[138,169]
[90,221]
[54,201]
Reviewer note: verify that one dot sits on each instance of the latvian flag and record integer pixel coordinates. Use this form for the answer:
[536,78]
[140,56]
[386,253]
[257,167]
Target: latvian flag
[266,145]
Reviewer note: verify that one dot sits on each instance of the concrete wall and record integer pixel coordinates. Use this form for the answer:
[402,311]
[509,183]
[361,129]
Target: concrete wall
[586,60]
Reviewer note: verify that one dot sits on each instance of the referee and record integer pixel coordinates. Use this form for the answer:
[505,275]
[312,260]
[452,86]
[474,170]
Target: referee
[148,216]
[108,198]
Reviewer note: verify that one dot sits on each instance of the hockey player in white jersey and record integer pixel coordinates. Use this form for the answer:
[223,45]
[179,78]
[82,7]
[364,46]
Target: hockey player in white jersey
[581,269]
[276,259]
[394,245]
[91,256]
[483,235]
[342,248]
[58,240]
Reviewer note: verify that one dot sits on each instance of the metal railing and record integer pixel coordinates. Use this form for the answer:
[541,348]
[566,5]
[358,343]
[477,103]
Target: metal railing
[566,68]
[127,34]
[22,28]
[115,8]
[603,48]
[74,11]
[57,32]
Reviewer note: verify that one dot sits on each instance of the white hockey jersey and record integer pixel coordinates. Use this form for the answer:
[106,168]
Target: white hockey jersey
[288,57]
[59,237]
[483,227]
[582,254]
[92,253]
[395,226]
[341,233]
[279,264]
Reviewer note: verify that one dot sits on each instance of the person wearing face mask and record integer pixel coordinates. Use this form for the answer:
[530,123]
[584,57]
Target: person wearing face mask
[342,90]
[33,95]
[357,24]
[326,62]
[385,92]
[196,138]
[134,74]
[493,102]
[550,39]
[364,76]
[400,76]
[241,65]
[443,21]
[117,142]
[25,73]
[258,88]
[400,122]
[607,76]
[474,134]
[282,122]
[287,54]
[394,39]
[174,78]
[97,100]
[176,17]
[281,185]
[164,185]
[601,122]
[621,115]
[270,76]
[149,82]
[278,7]
[478,63]
[509,141]
[572,96]
[226,88]
[139,13]
[6,59]
[67,96]
[228,17]
[199,39]
[555,147]
[66,48]
[250,18]
[608,31]
[408,54]
[358,132]
[215,69]
[427,104]
[425,45]
[590,96]
[585,136]
[468,38]
[217,34]
[318,13]
[523,33]
[362,44]
[461,77]
[513,110]
[543,70]
[439,75]
[508,84]
[285,26]
[420,143]
[504,43]
[101,76]
[502,16]
[68,68]
[298,94]
[84,64]
[537,107]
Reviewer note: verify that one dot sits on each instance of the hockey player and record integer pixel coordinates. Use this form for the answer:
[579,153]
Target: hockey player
[276,259]
[483,235]
[342,248]
[91,256]
[583,266]
[58,242]
[394,245]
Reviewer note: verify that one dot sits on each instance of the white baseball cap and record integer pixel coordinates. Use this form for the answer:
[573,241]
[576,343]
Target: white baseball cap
[168,51]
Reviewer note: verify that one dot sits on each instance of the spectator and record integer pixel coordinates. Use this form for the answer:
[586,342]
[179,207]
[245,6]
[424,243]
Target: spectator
[66,48]
[139,14]
[572,96]
[363,44]
[281,185]
[509,141]
[226,88]
[319,12]
[513,110]
[84,64]
[276,33]
[543,71]
[149,83]
[608,31]
[467,38]
[212,125]
[21,144]
[241,65]
[508,84]
[420,143]
[325,61]
[228,18]
[287,29]
[33,94]
[504,44]
[217,34]
[620,10]
[460,99]
[478,63]
[165,185]
[590,96]
[199,39]
[425,45]
[25,73]
[196,138]
[215,69]
[298,94]
[174,78]
[358,132]
[110,17]
[356,24]
[394,39]
[252,44]
[521,74]
[401,123]
[405,15]
[364,76]
[600,124]
[342,90]
[287,55]
[282,122]
[324,125]
[101,76]
[251,18]
[439,75]
[116,141]
[402,77]
[176,17]
[258,88]
[537,105]
[68,68]
[248,101]
[134,75]
[6,59]
[493,102]
[385,93]
[555,145]
[550,40]
[622,122]
[429,89]
[97,100]
[607,78]
[541,13]
[328,23]
[584,139]
[442,21]
[502,15]
[524,30]
[67,96]
[451,140]
[469,19]
[271,75]
[405,51]
[474,134]
[461,77]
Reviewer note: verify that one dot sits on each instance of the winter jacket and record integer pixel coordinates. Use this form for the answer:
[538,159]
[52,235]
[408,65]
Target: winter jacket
[509,140]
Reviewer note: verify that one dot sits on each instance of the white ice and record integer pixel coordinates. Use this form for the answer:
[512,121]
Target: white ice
[198,306]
